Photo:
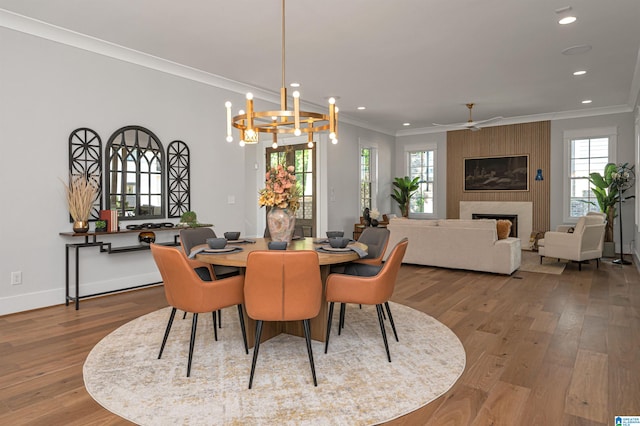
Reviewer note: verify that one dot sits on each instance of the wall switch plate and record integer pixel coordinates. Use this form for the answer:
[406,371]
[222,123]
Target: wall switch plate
[16,278]
[231,199]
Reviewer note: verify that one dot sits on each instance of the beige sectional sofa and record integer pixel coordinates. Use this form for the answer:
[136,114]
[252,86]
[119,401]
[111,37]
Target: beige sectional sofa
[456,243]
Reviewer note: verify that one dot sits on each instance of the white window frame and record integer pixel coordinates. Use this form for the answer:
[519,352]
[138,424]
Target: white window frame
[408,149]
[568,136]
[373,174]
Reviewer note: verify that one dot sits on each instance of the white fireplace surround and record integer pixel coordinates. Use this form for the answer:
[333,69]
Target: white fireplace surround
[524,210]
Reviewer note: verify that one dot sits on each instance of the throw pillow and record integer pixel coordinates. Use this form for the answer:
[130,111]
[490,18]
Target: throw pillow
[503,228]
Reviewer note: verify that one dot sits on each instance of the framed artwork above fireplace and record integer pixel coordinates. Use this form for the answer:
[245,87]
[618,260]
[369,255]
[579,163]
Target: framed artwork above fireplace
[508,173]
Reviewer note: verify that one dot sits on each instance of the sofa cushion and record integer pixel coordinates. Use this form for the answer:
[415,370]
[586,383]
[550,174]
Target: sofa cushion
[420,223]
[468,223]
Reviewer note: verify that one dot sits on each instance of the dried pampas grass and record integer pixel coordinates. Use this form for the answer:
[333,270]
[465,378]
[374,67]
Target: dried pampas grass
[82,191]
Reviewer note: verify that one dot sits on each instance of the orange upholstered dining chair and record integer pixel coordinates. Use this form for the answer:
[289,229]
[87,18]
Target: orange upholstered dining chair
[282,285]
[186,291]
[374,290]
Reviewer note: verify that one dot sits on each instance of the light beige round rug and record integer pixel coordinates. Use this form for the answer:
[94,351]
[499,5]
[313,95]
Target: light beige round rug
[356,383]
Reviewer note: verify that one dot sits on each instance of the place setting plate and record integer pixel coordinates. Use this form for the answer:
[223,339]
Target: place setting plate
[335,249]
[230,249]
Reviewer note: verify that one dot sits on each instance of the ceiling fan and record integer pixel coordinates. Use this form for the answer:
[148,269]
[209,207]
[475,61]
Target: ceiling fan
[470,124]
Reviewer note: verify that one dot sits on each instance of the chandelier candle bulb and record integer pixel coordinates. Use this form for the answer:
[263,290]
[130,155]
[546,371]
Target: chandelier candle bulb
[228,106]
[296,113]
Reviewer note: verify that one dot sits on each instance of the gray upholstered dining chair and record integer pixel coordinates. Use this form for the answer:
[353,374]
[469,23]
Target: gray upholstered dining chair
[191,237]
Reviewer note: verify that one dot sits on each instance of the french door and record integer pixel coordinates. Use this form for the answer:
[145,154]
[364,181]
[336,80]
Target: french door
[303,159]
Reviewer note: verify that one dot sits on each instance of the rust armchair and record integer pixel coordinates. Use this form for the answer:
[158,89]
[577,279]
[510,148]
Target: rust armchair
[186,291]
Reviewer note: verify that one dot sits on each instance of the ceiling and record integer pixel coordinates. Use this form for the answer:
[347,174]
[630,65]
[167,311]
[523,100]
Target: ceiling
[416,61]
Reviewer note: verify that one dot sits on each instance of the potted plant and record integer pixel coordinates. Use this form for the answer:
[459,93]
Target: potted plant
[81,192]
[405,187]
[189,219]
[605,188]
[101,225]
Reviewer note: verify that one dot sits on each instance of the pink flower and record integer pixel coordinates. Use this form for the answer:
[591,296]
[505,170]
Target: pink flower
[291,169]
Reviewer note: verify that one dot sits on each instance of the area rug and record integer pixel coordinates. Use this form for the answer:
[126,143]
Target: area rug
[356,383]
[550,265]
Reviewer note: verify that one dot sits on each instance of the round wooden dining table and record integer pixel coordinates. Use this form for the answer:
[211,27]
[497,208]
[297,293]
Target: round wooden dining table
[270,329]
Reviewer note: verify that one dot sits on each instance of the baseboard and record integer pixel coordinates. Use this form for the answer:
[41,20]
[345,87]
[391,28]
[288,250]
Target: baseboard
[52,297]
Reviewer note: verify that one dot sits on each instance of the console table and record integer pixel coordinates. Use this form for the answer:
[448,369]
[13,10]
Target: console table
[91,240]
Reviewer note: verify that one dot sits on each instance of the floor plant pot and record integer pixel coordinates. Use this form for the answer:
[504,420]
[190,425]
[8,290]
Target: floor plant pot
[609,249]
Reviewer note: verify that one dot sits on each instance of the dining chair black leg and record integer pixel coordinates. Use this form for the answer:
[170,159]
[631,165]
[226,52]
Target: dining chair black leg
[598,263]
[256,348]
[307,336]
[215,331]
[343,307]
[184,315]
[384,333]
[244,331]
[393,325]
[326,341]
[219,318]
[166,332]
[194,325]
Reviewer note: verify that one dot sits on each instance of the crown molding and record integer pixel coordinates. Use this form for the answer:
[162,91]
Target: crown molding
[37,28]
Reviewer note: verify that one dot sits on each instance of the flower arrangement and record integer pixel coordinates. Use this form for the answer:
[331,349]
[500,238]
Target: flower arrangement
[81,191]
[374,214]
[280,189]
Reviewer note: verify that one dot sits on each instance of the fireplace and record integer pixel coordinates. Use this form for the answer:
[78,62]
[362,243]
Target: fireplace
[511,217]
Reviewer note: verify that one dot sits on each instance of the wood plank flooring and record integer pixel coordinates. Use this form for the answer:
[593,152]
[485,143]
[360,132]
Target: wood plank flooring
[541,349]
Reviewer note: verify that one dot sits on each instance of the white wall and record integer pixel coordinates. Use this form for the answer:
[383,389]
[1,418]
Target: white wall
[48,89]
[624,153]
[343,178]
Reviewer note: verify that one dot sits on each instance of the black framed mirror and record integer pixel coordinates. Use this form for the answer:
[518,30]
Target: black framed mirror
[135,174]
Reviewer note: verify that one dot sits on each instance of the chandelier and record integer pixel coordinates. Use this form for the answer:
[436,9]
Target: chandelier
[251,123]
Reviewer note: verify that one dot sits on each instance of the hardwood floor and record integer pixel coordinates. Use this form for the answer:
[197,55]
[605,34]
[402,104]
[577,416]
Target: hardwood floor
[541,349]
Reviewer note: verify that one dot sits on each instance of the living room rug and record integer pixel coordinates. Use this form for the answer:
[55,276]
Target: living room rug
[550,265]
[356,383]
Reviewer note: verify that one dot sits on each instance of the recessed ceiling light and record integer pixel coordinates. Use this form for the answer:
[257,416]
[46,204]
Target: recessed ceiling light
[567,20]
[581,72]
[574,50]
[406,124]
[294,84]
[362,107]
[587,101]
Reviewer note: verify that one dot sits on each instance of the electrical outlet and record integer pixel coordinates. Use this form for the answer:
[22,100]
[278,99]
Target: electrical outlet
[16,278]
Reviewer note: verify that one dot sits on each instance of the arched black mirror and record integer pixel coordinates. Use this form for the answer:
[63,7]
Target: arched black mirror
[135,174]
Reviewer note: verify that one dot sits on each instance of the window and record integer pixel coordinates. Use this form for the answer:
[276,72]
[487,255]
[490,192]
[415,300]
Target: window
[587,151]
[367,170]
[421,163]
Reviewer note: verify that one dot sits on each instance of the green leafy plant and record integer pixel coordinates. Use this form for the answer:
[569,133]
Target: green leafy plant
[101,225]
[405,187]
[190,218]
[607,195]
